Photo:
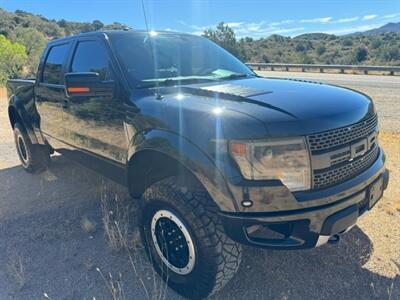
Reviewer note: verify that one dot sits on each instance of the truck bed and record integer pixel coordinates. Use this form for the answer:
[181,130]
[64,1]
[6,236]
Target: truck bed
[13,85]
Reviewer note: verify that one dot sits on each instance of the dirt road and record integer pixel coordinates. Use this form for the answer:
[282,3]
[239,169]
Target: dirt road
[45,249]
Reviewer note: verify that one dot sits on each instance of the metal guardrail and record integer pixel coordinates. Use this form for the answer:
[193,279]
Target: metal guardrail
[392,70]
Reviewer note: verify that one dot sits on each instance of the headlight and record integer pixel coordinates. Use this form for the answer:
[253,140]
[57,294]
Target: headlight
[284,159]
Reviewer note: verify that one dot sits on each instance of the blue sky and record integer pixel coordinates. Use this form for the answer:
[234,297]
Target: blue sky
[248,18]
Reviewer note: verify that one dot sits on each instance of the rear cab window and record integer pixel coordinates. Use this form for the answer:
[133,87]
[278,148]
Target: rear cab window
[53,72]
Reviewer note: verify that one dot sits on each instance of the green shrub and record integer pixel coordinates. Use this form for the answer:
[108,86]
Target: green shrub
[12,58]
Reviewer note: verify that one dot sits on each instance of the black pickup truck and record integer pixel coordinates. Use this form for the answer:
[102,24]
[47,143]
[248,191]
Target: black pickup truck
[217,156]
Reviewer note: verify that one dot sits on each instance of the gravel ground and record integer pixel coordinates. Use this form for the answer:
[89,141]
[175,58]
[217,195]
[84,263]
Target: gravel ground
[45,249]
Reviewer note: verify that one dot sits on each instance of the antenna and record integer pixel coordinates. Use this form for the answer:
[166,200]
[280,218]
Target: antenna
[145,18]
[157,94]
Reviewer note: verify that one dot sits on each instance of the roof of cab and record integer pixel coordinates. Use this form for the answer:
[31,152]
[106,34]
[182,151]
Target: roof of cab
[115,32]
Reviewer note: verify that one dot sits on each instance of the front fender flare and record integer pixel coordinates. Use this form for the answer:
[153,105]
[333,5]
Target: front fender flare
[191,157]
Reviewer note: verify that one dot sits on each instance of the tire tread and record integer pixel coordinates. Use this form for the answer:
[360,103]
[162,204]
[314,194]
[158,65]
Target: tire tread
[228,254]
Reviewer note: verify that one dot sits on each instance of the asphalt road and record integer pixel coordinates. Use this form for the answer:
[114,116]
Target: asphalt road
[41,227]
[363,81]
[384,90]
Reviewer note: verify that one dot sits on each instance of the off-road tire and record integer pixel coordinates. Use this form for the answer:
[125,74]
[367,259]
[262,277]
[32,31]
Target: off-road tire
[217,256]
[33,157]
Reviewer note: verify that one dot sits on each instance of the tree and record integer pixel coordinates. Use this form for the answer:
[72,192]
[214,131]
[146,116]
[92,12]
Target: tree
[375,43]
[265,59]
[224,36]
[34,43]
[321,50]
[303,58]
[347,42]
[360,54]
[300,48]
[97,25]
[391,53]
[12,58]
[62,23]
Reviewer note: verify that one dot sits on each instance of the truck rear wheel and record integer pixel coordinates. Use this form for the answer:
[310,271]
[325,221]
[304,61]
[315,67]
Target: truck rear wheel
[185,239]
[33,157]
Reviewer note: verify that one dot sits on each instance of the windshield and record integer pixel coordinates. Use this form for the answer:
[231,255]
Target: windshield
[174,58]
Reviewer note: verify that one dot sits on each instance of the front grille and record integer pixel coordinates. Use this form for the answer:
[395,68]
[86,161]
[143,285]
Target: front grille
[341,136]
[344,171]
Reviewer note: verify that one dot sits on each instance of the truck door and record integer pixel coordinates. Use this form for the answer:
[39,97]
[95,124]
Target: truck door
[96,124]
[50,91]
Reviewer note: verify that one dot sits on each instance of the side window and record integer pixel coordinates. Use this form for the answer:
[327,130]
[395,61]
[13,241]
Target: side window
[91,56]
[53,67]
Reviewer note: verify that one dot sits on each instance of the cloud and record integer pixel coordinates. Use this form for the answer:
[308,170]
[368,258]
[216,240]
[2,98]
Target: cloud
[281,22]
[352,29]
[369,17]
[266,31]
[317,20]
[234,24]
[263,28]
[391,16]
[285,30]
[347,20]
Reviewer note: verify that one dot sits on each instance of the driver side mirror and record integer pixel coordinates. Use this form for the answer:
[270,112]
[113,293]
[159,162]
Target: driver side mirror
[87,84]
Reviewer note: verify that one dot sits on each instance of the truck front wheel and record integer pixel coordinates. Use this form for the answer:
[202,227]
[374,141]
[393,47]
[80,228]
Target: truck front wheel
[33,157]
[185,239]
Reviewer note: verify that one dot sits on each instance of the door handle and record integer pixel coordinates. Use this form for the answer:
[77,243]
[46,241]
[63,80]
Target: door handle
[65,103]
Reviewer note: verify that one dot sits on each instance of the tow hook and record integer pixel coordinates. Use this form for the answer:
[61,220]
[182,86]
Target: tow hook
[334,239]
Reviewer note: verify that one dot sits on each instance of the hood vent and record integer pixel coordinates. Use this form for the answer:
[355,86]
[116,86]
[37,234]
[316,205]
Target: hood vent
[236,90]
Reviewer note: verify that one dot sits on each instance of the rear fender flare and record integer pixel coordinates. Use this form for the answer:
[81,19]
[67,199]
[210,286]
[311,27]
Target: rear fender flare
[18,113]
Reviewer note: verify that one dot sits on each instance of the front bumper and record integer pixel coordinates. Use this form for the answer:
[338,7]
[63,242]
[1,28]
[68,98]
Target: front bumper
[310,226]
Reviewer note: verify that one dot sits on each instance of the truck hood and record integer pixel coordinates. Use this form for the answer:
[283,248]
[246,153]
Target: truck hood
[287,107]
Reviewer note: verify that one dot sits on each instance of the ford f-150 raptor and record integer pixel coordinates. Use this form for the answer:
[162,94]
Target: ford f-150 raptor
[217,156]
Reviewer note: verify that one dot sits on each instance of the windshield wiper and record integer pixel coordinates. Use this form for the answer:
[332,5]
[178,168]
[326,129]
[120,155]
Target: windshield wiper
[235,76]
[171,81]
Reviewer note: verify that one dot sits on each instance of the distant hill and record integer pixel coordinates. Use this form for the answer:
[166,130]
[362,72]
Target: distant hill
[32,32]
[380,46]
[319,48]
[389,27]
[10,21]
[314,36]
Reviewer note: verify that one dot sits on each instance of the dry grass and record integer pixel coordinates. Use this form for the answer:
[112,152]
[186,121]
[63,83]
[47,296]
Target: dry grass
[391,144]
[124,237]
[16,269]
[115,220]
[114,286]
[88,226]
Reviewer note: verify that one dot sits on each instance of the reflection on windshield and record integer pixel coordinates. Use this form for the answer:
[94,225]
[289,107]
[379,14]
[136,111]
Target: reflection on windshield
[174,59]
